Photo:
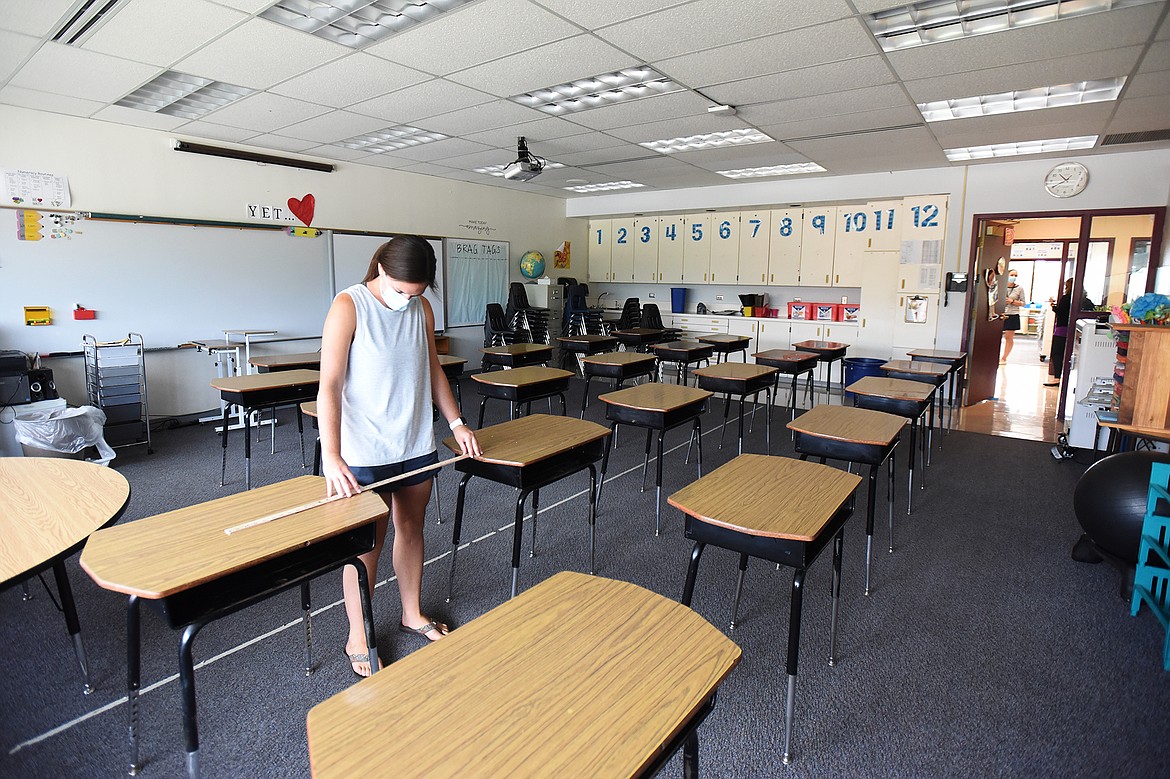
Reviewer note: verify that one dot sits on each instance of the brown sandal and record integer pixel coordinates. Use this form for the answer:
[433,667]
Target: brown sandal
[425,629]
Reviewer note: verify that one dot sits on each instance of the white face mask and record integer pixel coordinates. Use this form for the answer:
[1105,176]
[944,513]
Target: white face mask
[394,300]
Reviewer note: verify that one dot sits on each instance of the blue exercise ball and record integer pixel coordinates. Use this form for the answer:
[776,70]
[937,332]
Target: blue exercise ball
[1110,501]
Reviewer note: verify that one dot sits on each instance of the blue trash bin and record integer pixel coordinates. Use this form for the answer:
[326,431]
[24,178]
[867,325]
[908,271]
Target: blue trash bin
[678,300]
[859,367]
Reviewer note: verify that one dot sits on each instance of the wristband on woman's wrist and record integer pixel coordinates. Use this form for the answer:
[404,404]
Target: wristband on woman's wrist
[456,422]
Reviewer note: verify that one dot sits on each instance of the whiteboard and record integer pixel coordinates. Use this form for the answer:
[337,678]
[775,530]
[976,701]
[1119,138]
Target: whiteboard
[171,283]
[351,259]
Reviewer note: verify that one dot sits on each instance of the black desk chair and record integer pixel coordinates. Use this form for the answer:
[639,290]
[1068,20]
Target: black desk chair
[651,318]
[496,331]
[631,315]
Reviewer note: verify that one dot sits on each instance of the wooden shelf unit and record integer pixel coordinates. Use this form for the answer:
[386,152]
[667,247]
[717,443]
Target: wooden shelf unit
[1143,381]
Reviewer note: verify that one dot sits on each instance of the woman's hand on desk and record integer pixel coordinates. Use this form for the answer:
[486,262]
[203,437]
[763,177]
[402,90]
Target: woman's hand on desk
[467,441]
[338,479]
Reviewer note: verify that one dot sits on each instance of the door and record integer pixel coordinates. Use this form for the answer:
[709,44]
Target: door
[987,268]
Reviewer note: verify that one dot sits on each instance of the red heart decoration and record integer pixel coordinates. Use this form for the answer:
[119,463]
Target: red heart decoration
[303,208]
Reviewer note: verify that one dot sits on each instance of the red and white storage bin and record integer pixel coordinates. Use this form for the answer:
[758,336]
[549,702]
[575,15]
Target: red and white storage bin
[823,312]
[848,312]
[800,310]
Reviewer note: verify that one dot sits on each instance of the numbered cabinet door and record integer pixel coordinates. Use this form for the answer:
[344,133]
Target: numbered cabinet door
[784,247]
[753,246]
[724,247]
[622,256]
[600,249]
[645,249]
[853,226]
[924,218]
[885,225]
[921,250]
[818,236]
[697,249]
[672,239]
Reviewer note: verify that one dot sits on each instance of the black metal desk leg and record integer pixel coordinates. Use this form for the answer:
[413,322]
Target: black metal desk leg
[300,429]
[482,403]
[187,683]
[723,429]
[133,676]
[836,593]
[517,538]
[910,465]
[247,450]
[585,395]
[890,499]
[869,512]
[592,516]
[743,563]
[739,445]
[793,657]
[223,455]
[691,756]
[535,511]
[459,498]
[605,457]
[307,619]
[692,571]
[658,488]
[71,623]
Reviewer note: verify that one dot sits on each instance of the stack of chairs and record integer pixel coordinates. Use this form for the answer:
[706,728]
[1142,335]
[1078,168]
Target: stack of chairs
[529,323]
[580,319]
[631,315]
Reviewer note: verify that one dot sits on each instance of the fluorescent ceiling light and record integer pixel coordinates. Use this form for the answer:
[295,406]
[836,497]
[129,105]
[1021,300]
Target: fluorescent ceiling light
[1021,147]
[934,21]
[772,170]
[498,170]
[390,139]
[356,23]
[178,94]
[747,135]
[606,186]
[598,91]
[1079,93]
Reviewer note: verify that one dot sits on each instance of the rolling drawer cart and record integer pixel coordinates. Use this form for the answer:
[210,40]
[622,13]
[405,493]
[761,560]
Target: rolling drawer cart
[115,382]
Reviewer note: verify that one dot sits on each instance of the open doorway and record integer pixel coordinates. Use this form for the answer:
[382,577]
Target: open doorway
[1020,350]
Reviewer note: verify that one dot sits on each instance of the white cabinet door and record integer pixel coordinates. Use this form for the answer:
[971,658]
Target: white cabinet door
[697,249]
[816,246]
[916,335]
[748,327]
[840,332]
[753,246]
[672,235]
[645,249]
[784,247]
[724,247]
[773,335]
[885,227]
[600,249]
[923,228]
[853,223]
[806,331]
[878,300]
[694,325]
[622,257]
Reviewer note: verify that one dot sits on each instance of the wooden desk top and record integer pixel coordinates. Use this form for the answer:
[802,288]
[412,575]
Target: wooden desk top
[309,408]
[938,354]
[49,504]
[552,683]
[683,346]
[846,423]
[527,440]
[735,370]
[447,359]
[278,360]
[761,495]
[815,344]
[255,382]
[620,358]
[725,338]
[514,349]
[898,389]
[587,339]
[521,377]
[656,397]
[168,553]
[910,366]
[786,355]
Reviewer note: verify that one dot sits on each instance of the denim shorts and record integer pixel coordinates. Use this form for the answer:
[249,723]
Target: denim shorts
[372,473]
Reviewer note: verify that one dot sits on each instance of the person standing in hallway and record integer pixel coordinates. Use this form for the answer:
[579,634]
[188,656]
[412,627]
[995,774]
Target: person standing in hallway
[1015,300]
[1063,309]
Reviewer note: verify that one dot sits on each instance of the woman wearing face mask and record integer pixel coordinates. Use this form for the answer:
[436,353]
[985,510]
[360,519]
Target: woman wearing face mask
[379,376]
[1016,298]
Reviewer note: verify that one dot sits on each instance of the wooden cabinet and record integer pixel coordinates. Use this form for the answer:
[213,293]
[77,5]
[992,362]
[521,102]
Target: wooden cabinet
[694,325]
[816,246]
[672,234]
[646,249]
[600,249]
[753,247]
[784,246]
[748,327]
[923,227]
[773,335]
[697,249]
[724,247]
[1143,395]
[885,227]
[622,255]
[849,246]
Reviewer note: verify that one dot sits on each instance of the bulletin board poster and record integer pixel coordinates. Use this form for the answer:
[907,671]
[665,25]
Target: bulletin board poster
[34,189]
[477,274]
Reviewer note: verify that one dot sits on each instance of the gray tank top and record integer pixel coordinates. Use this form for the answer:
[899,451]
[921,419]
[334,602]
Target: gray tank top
[386,400]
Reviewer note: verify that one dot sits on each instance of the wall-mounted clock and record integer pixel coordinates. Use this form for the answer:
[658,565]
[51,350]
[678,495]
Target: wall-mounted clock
[1067,179]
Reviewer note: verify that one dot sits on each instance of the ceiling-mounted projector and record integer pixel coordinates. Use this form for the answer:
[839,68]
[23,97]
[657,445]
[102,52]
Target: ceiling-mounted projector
[526,167]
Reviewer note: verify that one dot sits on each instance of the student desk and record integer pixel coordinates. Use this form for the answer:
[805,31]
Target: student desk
[516,355]
[638,338]
[259,391]
[551,683]
[583,345]
[927,373]
[522,385]
[286,362]
[741,379]
[791,363]
[829,353]
[49,506]
[530,453]
[778,509]
[726,345]
[855,435]
[619,366]
[193,573]
[453,369]
[683,354]
[909,399]
[957,365]
[247,336]
[658,407]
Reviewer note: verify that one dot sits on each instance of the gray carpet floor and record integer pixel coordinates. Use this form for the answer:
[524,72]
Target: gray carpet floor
[984,650]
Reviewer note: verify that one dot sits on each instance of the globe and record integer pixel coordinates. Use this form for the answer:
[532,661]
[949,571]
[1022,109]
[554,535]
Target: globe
[532,264]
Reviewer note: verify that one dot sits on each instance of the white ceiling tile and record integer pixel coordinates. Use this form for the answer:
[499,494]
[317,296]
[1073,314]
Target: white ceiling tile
[259,54]
[136,118]
[1062,70]
[555,63]
[429,98]
[247,6]
[1141,113]
[437,151]
[844,123]
[599,13]
[352,79]
[890,150]
[829,104]
[1148,85]
[540,130]
[219,132]
[644,110]
[697,124]
[281,143]
[91,76]
[47,101]
[147,32]
[832,42]
[33,17]
[607,154]
[481,159]
[487,116]
[1157,58]
[1095,32]
[385,161]
[263,112]
[660,165]
[335,152]
[869,6]
[755,156]
[1164,30]
[557,147]
[14,50]
[475,34]
[706,24]
[803,82]
[331,127]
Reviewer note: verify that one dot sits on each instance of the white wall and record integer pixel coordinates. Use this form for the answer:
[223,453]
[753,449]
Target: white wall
[126,170]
